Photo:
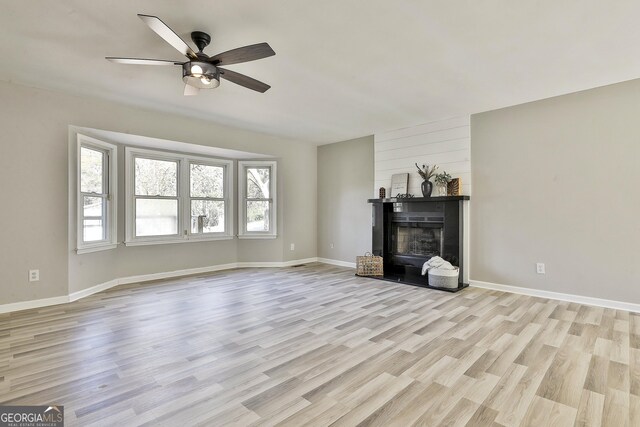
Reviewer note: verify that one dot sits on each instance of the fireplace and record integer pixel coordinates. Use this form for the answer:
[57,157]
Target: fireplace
[407,232]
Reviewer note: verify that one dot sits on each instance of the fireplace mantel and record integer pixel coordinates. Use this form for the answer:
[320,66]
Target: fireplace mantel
[420,199]
[406,232]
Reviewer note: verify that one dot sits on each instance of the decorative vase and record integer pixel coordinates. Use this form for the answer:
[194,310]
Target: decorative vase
[442,190]
[427,188]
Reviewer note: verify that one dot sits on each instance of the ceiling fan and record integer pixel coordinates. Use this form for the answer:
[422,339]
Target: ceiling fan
[202,71]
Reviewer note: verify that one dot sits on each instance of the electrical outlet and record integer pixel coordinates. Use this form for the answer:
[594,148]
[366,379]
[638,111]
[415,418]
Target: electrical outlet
[540,268]
[293,246]
[330,245]
[34,275]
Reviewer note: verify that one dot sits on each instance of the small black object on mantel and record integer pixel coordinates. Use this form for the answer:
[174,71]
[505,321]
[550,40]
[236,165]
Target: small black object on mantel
[382,192]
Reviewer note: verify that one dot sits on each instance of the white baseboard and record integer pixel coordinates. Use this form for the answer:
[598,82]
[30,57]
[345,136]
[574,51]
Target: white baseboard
[598,302]
[175,273]
[299,261]
[74,296]
[272,264]
[36,303]
[337,262]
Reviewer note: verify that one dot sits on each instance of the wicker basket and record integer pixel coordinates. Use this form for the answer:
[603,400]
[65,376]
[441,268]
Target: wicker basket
[369,265]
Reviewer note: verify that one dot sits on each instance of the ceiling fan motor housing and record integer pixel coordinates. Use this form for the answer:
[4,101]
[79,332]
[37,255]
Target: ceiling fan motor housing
[201,39]
[202,75]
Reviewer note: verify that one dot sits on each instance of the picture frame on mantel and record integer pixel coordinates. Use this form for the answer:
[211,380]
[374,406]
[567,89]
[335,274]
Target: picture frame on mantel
[454,187]
[399,184]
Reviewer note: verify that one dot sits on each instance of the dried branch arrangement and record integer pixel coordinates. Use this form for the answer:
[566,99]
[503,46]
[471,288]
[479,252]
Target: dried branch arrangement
[426,171]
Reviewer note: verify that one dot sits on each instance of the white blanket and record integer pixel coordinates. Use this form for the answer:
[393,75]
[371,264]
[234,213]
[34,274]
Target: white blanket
[436,262]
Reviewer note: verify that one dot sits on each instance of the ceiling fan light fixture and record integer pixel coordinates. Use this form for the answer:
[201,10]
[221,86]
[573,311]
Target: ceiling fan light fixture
[201,75]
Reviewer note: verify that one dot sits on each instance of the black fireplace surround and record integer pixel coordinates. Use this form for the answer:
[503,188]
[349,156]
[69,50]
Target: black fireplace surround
[407,232]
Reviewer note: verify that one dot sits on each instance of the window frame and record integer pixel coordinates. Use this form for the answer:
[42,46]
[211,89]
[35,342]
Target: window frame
[109,195]
[243,165]
[226,196]
[134,198]
[183,196]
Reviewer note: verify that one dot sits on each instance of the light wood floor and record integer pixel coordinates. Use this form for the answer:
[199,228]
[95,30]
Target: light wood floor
[315,345]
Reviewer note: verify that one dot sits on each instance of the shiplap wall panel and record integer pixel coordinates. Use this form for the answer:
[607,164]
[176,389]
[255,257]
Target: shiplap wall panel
[445,143]
[445,135]
[426,149]
[424,128]
[440,159]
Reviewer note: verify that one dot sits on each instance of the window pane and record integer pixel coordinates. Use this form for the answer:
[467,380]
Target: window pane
[207,216]
[92,230]
[258,183]
[91,169]
[207,181]
[257,215]
[156,217]
[92,206]
[156,177]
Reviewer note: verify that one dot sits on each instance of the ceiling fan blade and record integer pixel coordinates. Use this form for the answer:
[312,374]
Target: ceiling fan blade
[242,80]
[190,90]
[140,61]
[168,35]
[243,54]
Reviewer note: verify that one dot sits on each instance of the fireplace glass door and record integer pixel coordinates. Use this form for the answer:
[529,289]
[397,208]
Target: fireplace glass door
[417,239]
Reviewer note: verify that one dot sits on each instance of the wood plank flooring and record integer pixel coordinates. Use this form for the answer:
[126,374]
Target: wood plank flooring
[315,345]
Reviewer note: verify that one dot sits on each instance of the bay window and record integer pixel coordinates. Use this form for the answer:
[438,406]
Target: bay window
[175,198]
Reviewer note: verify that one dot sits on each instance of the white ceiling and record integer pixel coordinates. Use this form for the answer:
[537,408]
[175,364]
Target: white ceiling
[342,69]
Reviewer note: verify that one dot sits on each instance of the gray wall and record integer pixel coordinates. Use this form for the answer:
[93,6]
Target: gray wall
[556,181]
[345,182]
[34,220]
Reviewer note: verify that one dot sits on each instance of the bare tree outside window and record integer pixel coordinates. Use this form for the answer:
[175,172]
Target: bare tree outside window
[156,177]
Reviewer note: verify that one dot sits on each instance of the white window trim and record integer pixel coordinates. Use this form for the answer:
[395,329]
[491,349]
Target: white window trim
[184,208]
[111,241]
[242,208]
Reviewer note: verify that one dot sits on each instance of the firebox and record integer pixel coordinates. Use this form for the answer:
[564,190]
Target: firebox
[417,235]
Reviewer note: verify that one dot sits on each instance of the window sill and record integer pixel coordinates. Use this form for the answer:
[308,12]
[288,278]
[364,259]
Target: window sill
[88,250]
[258,236]
[171,241]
